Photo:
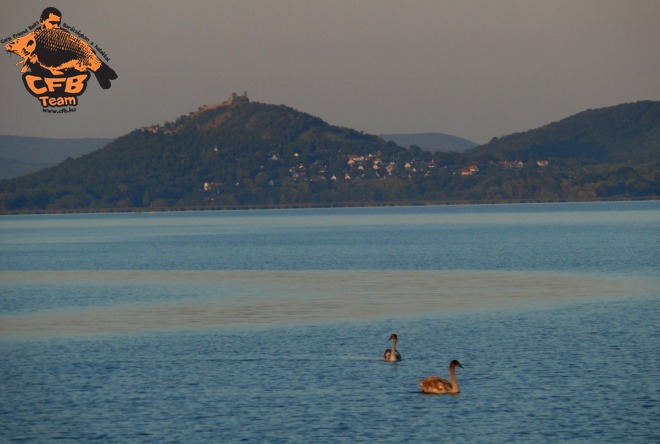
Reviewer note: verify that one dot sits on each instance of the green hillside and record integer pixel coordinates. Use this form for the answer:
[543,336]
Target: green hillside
[242,153]
[627,134]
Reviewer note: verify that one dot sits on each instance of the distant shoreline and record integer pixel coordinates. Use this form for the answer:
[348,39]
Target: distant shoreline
[412,203]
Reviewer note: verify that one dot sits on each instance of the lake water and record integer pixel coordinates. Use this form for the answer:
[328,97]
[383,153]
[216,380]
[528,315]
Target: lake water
[269,325]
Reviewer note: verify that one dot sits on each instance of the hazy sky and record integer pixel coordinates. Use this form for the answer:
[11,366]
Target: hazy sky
[471,68]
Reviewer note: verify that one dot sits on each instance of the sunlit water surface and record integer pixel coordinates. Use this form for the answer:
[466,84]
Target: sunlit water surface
[268,326]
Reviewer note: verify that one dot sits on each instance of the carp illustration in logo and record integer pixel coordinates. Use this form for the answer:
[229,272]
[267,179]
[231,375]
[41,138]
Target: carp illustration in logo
[58,62]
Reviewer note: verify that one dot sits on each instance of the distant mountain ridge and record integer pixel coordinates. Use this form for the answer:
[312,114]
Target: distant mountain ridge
[22,155]
[239,154]
[431,141]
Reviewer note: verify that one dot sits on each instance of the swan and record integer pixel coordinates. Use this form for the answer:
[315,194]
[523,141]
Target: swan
[439,386]
[392,355]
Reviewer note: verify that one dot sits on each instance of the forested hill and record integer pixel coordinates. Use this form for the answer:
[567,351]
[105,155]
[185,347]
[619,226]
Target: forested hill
[627,134]
[248,154]
[234,153]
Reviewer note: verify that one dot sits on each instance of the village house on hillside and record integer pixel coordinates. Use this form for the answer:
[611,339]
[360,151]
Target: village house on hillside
[469,170]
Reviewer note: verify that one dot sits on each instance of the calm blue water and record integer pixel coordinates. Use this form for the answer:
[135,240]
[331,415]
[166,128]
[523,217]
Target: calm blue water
[268,326]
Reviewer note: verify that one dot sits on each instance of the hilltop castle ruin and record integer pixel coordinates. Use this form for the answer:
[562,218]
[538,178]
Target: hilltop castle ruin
[234,99]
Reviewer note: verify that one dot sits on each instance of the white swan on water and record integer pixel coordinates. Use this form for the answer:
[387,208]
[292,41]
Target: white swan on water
[392,355]
[439,386]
